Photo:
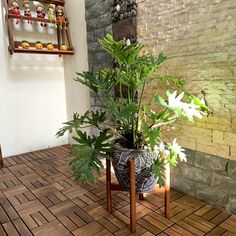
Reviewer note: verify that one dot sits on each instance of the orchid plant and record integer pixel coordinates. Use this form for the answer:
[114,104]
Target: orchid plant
[136,122]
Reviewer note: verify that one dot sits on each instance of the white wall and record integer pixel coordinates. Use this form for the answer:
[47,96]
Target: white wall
[77,96]
[37,92]
[32,99]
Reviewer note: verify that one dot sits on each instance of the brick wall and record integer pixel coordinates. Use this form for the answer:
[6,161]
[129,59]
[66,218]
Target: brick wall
[200,37]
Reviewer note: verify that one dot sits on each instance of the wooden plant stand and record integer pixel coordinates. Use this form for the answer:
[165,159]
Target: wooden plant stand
[116,187]
[1,158]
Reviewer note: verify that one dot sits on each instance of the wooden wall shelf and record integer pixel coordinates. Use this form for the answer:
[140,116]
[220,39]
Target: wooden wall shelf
[43,51]
[33,19]
[62,28]
[55,2]
[32,50]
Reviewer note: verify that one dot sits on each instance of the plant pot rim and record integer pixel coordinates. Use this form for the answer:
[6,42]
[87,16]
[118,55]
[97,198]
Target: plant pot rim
[122,149]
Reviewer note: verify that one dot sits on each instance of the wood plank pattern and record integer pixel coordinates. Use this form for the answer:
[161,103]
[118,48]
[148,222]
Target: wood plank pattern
[38,196]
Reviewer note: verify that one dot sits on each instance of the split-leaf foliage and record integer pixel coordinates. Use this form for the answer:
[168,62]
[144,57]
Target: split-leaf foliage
[128,119]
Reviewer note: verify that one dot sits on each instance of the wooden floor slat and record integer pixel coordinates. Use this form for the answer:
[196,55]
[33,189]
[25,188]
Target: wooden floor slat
[38,196]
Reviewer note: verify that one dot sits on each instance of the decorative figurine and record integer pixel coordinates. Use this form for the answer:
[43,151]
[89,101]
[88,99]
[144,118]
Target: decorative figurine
[15,9]
[40,13]
[27,12]
[63,47]
[51,15]
[25,44]
[60,15]
[38,45]
[50,46]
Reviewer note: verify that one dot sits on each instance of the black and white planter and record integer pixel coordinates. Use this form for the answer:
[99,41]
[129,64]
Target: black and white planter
[145,180]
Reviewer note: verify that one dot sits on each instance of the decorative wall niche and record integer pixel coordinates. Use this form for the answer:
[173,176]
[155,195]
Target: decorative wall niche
[123,9]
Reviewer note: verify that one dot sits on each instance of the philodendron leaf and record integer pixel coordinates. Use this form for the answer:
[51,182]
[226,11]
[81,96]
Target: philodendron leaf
[89,79]
[161,101]
[75,123]
[176,153]
[88,154]
[191,109]
[94,118]
[158,168]
[152,136]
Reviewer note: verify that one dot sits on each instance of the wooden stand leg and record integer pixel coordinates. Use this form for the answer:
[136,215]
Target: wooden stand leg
[167,191]
[108,180]
[140,196]
[1,158]
[132,198]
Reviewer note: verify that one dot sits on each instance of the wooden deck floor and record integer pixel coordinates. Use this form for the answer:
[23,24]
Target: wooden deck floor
[39,197]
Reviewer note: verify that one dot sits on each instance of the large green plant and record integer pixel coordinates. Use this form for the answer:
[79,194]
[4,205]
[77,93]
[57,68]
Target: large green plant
[134,124]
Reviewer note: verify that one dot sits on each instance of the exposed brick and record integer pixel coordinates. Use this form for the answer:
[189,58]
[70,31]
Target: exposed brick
[196,174]
[223,183]
[232,153]
[218,136]
[232,169]
[230,138]
[199,36]
[231,206]
[211,163]
[211,194]
[187,187]
[213,149]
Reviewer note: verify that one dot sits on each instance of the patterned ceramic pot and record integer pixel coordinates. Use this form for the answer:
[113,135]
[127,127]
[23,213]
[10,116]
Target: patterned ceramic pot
[145,180]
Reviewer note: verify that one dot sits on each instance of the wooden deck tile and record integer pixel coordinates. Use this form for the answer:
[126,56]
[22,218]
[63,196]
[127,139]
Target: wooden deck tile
[230,224]
[171,232]
[54,228]
[216,231]
[191,228]
[21,228]
[8,209]
[181,230]
[38,196]
[10,229]
[90,229]
[149,226]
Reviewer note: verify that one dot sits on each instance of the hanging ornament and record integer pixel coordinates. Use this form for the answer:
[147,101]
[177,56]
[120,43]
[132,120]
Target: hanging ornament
[60,16]
[27,12]
[51,15]
[40,13]
[14,9]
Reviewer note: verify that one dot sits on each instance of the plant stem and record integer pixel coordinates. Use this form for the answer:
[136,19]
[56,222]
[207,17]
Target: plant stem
[139,107]
[151,100]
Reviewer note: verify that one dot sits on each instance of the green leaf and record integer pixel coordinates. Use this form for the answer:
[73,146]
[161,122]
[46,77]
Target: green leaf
[161,101]
[152,136]
[88,153]
[78,121]
[158,168]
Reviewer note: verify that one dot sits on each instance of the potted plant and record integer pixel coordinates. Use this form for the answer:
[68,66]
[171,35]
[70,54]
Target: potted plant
[131,123]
